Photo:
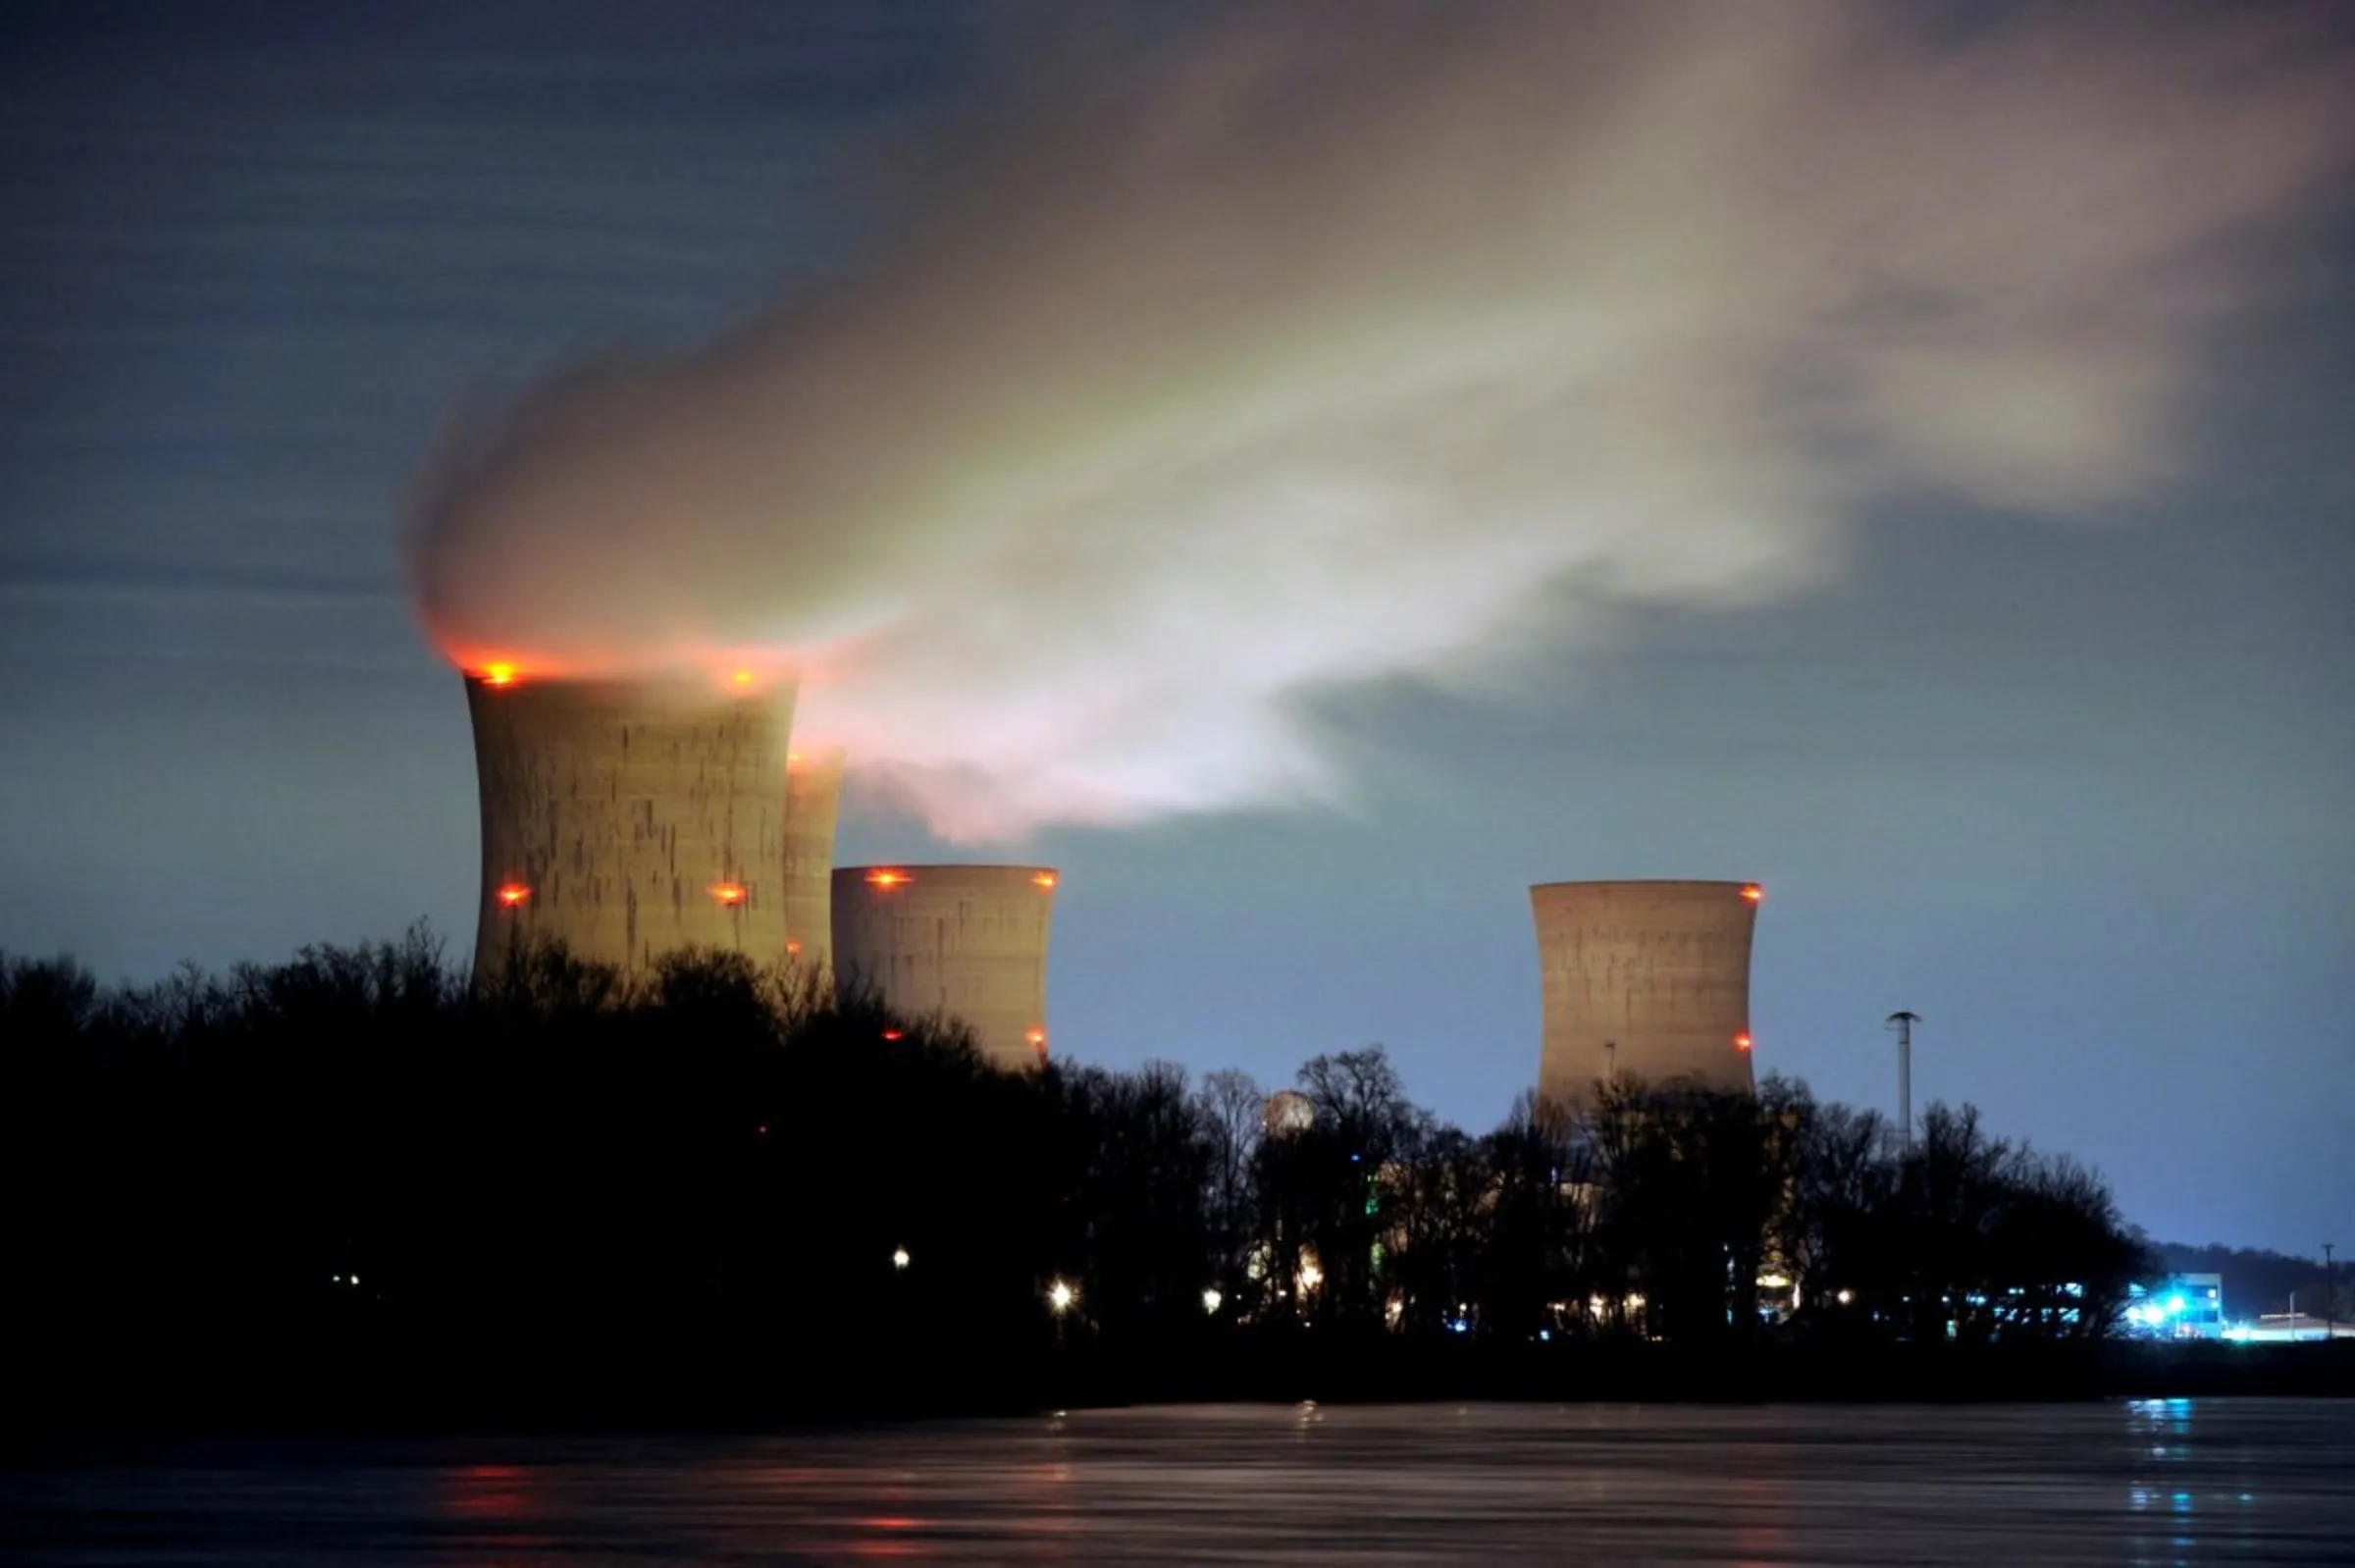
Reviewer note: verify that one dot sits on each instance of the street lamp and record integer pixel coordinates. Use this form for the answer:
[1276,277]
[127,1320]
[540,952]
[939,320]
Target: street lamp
[1060,1295]
[1211,1298]
[899,1257]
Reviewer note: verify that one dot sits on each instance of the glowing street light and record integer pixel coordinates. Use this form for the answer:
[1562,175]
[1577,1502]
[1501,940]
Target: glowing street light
[899,1257]
[1060,1295]
[1211,1299]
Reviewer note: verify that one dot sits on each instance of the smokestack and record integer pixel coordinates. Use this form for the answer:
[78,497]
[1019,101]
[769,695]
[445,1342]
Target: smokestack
[1644,979]
[966,942]
[629,819]
[813,803]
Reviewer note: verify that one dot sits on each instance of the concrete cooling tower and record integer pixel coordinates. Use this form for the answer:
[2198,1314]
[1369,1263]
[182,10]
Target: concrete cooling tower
[812,803]
[967,942]
[1644,979]
[629,819]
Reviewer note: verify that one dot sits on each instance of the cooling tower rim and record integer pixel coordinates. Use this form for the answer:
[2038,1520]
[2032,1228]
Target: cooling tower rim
[1556,892]
[943,865]
[665,687]
[1736,883]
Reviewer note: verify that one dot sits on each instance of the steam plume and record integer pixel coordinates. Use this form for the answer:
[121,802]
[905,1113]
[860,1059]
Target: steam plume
[1354,343]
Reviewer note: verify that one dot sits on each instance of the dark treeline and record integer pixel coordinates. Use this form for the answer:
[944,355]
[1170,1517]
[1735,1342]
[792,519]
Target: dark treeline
[353,1180]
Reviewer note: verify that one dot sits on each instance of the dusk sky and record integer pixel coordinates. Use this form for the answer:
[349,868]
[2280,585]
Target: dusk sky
[1396,462]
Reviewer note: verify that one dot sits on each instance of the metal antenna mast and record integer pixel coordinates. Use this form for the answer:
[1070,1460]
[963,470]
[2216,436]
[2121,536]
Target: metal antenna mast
[1904,1024]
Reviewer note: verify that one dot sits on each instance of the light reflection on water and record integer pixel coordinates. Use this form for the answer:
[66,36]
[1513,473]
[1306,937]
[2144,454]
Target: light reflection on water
[2156,1481]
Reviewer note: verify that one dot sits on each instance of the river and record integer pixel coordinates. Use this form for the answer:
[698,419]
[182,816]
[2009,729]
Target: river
[1988,1485]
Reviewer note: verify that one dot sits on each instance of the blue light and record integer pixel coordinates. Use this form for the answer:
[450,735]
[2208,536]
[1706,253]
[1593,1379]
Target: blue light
[2175,1306]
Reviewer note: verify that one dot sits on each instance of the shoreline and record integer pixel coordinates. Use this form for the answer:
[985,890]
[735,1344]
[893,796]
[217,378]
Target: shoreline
[721,1387]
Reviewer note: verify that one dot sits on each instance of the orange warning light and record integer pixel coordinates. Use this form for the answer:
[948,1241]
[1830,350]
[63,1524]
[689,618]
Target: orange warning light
[1045,879]
[1754,892]
[1037,1038]
[498,674]
[514,894]
[793,949]
[895,1034]
[727,894]
[887,879]
[1741,1042]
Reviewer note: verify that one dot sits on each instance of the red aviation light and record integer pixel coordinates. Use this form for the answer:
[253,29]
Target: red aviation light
[727,894]
[895,1034]
[514,894]
[886,879]
[1741,1042]
[1754,892]
[1045,879]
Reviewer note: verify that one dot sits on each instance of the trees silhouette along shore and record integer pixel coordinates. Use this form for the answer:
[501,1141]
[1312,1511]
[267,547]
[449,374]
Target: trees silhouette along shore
[357,1183]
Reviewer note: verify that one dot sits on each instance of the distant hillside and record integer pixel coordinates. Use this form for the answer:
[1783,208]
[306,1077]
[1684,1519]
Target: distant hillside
[2257,1281]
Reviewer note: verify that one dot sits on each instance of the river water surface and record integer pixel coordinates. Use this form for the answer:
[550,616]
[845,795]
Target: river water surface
[2159,1482]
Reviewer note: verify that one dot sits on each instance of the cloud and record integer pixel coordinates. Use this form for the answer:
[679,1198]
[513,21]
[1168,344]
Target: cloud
[1327,346]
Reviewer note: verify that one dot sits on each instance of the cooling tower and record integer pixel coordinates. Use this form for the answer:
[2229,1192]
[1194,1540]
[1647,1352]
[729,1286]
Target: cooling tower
[967,942]
[813,802]
[1644,979]
[629,819]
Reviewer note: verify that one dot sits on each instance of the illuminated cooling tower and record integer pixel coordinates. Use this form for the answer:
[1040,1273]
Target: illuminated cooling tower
[629,819]
[967,942]
[1644,979]
[813,802]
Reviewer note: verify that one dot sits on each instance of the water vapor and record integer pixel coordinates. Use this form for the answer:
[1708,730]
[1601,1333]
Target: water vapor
[1334,345]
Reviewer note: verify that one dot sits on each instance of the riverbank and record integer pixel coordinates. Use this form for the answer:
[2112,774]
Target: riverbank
[516,1381]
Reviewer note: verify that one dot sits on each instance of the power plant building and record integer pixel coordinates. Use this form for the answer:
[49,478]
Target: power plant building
[1645,980]
[629,819]
[812,805]
[965,941]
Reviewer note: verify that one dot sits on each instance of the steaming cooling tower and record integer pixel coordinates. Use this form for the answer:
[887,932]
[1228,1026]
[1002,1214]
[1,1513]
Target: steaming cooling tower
[629,819]
[1644,979]
[813,802]
[967,942]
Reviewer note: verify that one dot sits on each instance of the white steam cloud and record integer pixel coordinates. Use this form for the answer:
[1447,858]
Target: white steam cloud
[1361,341]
